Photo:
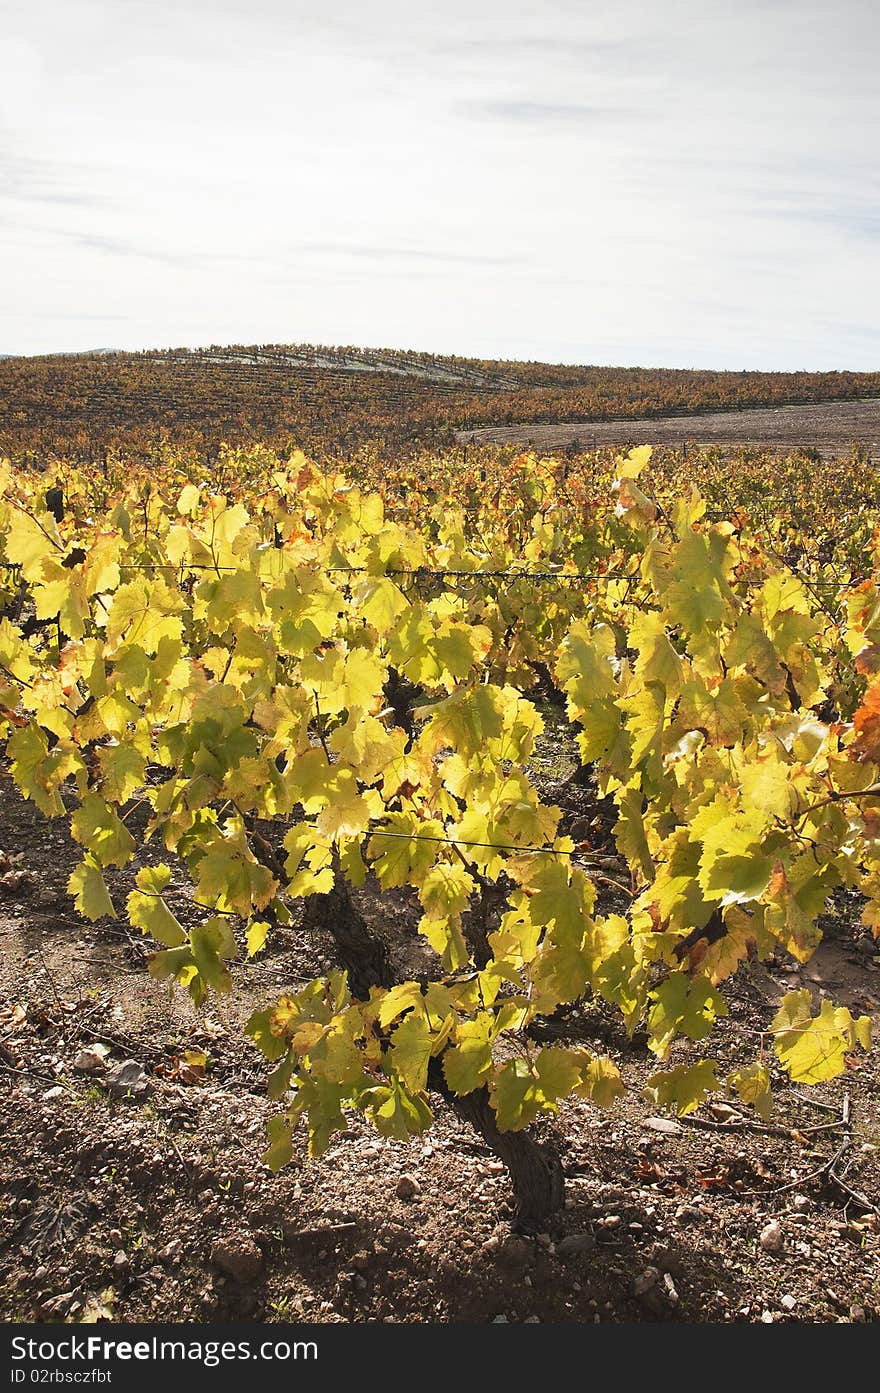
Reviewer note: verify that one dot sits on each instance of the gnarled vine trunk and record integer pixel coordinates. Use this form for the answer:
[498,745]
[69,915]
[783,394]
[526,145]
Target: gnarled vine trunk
[362,953]
[535,1168]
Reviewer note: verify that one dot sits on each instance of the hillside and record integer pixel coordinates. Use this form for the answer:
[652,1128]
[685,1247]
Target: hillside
[331,401]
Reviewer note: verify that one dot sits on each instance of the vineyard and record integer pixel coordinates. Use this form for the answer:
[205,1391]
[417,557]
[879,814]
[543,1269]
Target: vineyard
[483,854]
[332,402]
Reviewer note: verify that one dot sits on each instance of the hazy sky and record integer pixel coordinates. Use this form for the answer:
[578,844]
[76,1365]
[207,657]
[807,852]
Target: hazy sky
[679,182]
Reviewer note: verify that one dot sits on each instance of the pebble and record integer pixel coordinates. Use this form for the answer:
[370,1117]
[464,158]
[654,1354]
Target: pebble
[120,1260]
[687,1214]
[666,1125]
[802,1204]
[575,1244]
[772,1239]
[407,1188]
[91,1060]
[515,1251]
[129,1082]
[238,1256]
[645,1281]
[787,1303]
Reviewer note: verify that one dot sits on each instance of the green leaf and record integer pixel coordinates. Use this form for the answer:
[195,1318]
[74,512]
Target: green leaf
[468,1063]
[211,943]
[683,1005]
[683,1089]
[268,1041]
[96,826]
[520,1090]
[147,910]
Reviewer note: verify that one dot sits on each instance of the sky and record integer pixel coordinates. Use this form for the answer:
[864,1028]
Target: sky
[682,183]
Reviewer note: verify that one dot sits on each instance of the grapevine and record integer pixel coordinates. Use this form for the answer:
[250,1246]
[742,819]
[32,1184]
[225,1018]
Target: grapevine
[309,682]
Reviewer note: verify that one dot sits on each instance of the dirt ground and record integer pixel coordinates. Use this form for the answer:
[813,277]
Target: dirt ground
[831,428]
[156,1207]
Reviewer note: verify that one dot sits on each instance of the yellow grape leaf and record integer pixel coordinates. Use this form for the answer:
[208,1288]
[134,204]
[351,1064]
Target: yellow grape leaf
[257,933]
[811,1048]
[147,910]
[98,827]
[396,1112]
[683,1005]
[521,1089]
[752,1083]
[600,1081]
[683,1089]
[468,1063]
[404,849]
[123,768]
[86,883]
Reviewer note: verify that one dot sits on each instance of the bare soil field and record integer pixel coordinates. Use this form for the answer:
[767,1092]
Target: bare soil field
[831,427]
[149,1201]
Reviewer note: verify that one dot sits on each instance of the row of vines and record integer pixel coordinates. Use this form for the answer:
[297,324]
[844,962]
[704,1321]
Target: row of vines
[308,682]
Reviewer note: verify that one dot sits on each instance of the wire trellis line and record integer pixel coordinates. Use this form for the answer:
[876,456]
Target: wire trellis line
[426,573]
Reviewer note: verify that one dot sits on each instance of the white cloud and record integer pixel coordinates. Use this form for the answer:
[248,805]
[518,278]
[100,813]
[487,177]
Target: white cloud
[684,181]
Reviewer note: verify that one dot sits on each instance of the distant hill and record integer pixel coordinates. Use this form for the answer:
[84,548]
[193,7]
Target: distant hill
[332,400]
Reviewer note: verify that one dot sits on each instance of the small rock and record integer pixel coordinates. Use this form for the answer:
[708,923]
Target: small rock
[767,1317]
[171,1250]
[238,1256]
[857,1314]
[772,1238]
[722,1112]
[668,1125]
[52,1093]
[500,1320]
[129,1081]
[575,1244]
[802,1204]
[91,1060]
[514,1251]
[120,1260]
[17,883]
[687,1214]
[787,1303]
[407,1188]
[645,1281]
[59,1305]
[670,1288]
[611,1221]
[115,1236]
